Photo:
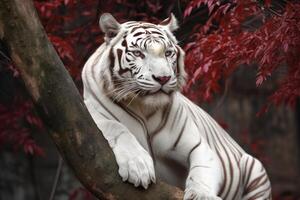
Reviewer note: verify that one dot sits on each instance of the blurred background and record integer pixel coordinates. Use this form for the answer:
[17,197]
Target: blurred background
[243,62]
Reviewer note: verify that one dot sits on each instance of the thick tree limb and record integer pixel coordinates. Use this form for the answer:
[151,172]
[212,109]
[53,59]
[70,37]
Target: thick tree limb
[61,107]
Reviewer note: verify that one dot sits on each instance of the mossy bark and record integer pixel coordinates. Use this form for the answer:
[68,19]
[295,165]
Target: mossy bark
[62,110]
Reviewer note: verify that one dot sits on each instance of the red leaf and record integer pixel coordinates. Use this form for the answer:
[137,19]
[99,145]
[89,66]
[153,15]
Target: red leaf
[259,80]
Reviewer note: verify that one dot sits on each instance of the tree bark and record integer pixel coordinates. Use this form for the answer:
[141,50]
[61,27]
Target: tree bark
[62,110]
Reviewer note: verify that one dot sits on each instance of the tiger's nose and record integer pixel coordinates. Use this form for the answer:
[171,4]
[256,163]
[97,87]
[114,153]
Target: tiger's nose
[161,79]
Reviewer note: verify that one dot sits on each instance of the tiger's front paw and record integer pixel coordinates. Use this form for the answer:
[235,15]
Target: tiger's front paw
[135,165]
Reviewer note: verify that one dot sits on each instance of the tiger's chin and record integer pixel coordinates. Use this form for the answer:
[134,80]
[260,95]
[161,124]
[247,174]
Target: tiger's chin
[156,100]
[151,101]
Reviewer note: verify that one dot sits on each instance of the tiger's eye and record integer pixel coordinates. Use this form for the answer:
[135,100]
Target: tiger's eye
[137,53]
[168,53]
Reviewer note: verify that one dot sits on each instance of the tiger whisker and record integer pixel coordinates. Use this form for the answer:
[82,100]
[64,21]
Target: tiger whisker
[117,89]
[132,92]
[122,93]
[139,91]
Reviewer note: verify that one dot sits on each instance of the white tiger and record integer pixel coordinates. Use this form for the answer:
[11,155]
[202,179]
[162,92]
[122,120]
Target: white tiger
[131,88]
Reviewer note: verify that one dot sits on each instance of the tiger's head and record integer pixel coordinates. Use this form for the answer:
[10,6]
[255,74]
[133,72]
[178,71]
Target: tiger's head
[145,62]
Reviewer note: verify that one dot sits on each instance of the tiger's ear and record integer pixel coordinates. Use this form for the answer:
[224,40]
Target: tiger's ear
[170,23]
[109,25]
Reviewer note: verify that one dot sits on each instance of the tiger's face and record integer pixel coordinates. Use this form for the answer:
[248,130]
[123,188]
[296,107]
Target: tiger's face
[146,62]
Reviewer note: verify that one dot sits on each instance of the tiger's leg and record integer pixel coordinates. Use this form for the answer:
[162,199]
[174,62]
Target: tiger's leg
[205,174]
[135,163]
[256,182]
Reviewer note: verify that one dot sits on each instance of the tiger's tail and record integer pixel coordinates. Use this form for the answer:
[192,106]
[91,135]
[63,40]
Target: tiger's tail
[256,183]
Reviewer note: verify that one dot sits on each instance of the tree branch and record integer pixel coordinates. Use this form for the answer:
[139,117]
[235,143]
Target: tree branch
[62,110]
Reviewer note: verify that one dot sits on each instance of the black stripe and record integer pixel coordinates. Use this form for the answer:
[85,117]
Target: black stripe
[245,171]
[121,70]
[222,189]
[191,151]
[261,193]
[195,119]
[156,32]
[124,43]
[176,115]
[127,59]
[239,178]
[220,157]
[138,33]
[250,171]
[180,134]
[136,41]
[217,150]
[202,166]
[256,183]
[95,96]
[138,70]
[134,29]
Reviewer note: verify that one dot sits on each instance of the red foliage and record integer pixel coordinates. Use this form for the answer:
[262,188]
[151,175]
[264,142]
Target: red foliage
[226,41]
[13,129]
[211,5]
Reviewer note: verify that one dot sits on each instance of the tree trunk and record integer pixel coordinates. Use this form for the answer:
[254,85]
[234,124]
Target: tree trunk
[62,110]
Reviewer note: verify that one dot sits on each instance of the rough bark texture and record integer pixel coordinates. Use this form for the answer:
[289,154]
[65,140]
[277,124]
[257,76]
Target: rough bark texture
[61,107]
